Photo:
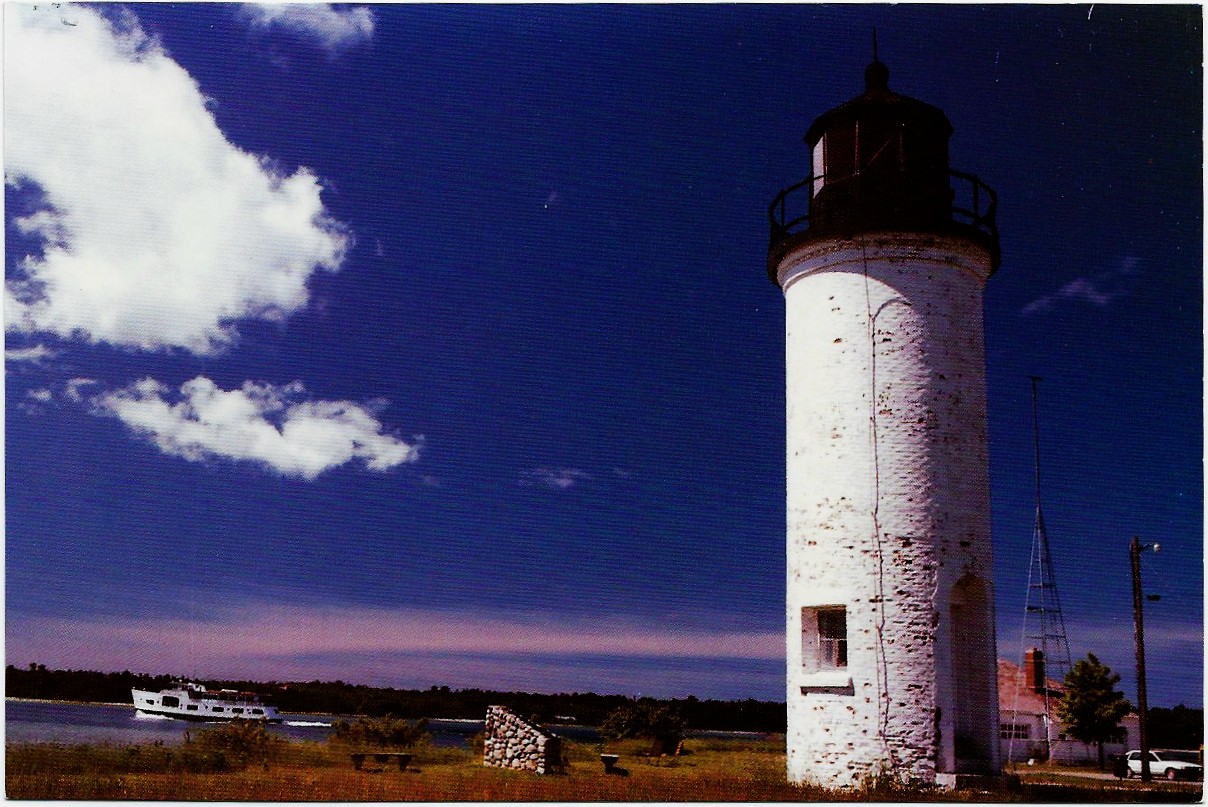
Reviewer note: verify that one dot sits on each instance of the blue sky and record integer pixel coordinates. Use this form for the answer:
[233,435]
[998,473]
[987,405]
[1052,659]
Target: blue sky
[433,345]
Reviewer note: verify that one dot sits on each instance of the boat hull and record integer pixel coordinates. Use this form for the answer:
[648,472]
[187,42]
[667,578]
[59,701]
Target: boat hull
[201,718]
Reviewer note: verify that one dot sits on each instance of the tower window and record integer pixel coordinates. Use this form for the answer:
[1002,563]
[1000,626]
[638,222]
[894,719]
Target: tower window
[832,637]
[824,638]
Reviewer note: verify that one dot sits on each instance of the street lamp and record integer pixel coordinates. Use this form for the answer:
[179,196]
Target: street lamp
[1134,554]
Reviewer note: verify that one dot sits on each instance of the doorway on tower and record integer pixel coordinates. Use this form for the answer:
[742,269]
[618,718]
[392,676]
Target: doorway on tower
[974,683]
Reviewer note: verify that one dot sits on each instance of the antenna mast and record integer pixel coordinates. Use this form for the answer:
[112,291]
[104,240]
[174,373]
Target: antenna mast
[1043,623]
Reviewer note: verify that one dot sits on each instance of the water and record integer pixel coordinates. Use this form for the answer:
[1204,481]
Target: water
[121,724]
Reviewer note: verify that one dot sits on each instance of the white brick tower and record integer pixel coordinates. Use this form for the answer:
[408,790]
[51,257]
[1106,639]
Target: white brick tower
[882,255]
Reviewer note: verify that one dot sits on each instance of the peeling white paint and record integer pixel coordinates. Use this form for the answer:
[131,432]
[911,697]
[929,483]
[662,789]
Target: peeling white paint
[888,507]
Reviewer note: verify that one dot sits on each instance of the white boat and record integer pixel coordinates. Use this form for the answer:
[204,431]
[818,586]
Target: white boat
[188,701]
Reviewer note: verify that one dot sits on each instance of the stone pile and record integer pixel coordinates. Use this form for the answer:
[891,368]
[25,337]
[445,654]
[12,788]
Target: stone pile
[513,742]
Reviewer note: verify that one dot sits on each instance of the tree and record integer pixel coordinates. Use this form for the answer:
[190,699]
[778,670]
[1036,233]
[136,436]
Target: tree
[1091,708]
[1179,727]
[663,723]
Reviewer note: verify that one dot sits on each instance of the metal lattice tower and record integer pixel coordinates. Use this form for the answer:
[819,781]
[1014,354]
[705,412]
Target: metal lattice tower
[1043,623]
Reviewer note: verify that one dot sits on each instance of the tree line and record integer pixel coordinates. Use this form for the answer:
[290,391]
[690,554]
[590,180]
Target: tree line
[1091,712]
[341,698]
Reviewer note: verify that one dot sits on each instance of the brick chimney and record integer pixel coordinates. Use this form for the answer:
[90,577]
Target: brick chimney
[1033,669]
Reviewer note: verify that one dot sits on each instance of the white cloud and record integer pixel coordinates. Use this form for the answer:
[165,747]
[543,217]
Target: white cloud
[156,231]
[36,401]
[556,478]
[1082,288]
[34,355]
[75,385]
[259,423]
[335,28]
[1098,291]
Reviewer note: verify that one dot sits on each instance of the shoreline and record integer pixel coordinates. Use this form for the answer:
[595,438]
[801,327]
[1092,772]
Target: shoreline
[690,733]
[65,702]
[62,702]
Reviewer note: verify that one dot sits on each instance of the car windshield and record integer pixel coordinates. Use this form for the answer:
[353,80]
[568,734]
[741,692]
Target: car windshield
[1180,756]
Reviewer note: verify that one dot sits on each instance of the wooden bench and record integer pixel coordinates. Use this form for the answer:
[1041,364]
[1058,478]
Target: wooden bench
[657,756]
[359,758]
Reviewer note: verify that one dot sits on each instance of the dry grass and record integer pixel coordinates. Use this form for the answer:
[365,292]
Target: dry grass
[310,772]
[716,771]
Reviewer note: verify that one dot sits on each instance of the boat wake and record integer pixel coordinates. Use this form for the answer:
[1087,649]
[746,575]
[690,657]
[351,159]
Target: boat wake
[306,723]
[144,716]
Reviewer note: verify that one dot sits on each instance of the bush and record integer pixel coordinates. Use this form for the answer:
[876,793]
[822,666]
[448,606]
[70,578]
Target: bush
[662,723]
[573,752]
[478,744]
[233,746]
[383,732]
[89,760]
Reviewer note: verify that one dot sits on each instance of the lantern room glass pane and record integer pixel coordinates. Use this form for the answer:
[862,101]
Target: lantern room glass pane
[880,147]
[841,153]
[819,166]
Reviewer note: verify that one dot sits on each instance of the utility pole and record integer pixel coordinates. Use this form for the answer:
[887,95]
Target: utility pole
[1134,553]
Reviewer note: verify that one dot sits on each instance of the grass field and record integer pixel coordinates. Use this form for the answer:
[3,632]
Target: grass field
[709,771]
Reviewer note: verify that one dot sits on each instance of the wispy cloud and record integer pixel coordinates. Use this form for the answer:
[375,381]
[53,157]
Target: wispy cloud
[31,355]
[334,28]
[1174,647]
[273,426]
[155,232]
[36,400]
[73,388]
[1099,290]
[554,478]
[277,640]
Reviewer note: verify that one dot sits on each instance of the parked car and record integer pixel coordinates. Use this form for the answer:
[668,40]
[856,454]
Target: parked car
[1169,764]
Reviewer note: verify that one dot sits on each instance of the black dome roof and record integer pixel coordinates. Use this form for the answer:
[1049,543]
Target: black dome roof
[879,102]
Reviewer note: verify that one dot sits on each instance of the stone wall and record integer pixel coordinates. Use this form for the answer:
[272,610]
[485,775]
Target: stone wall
[513,742]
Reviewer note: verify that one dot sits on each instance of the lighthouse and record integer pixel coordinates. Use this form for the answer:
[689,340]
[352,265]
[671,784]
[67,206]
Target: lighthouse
[882,254]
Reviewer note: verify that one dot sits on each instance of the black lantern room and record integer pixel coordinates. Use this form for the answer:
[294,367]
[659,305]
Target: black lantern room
[880,163]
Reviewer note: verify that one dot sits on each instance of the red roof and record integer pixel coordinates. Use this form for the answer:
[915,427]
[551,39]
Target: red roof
[1014,693]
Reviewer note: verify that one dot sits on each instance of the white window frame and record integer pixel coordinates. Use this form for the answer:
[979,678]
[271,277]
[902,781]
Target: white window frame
[825,660]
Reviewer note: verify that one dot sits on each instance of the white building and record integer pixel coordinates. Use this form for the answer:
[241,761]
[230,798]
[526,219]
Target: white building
[1025,733]
[882,255]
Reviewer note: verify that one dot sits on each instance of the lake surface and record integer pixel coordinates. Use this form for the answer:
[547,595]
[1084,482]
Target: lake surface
[120,724]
